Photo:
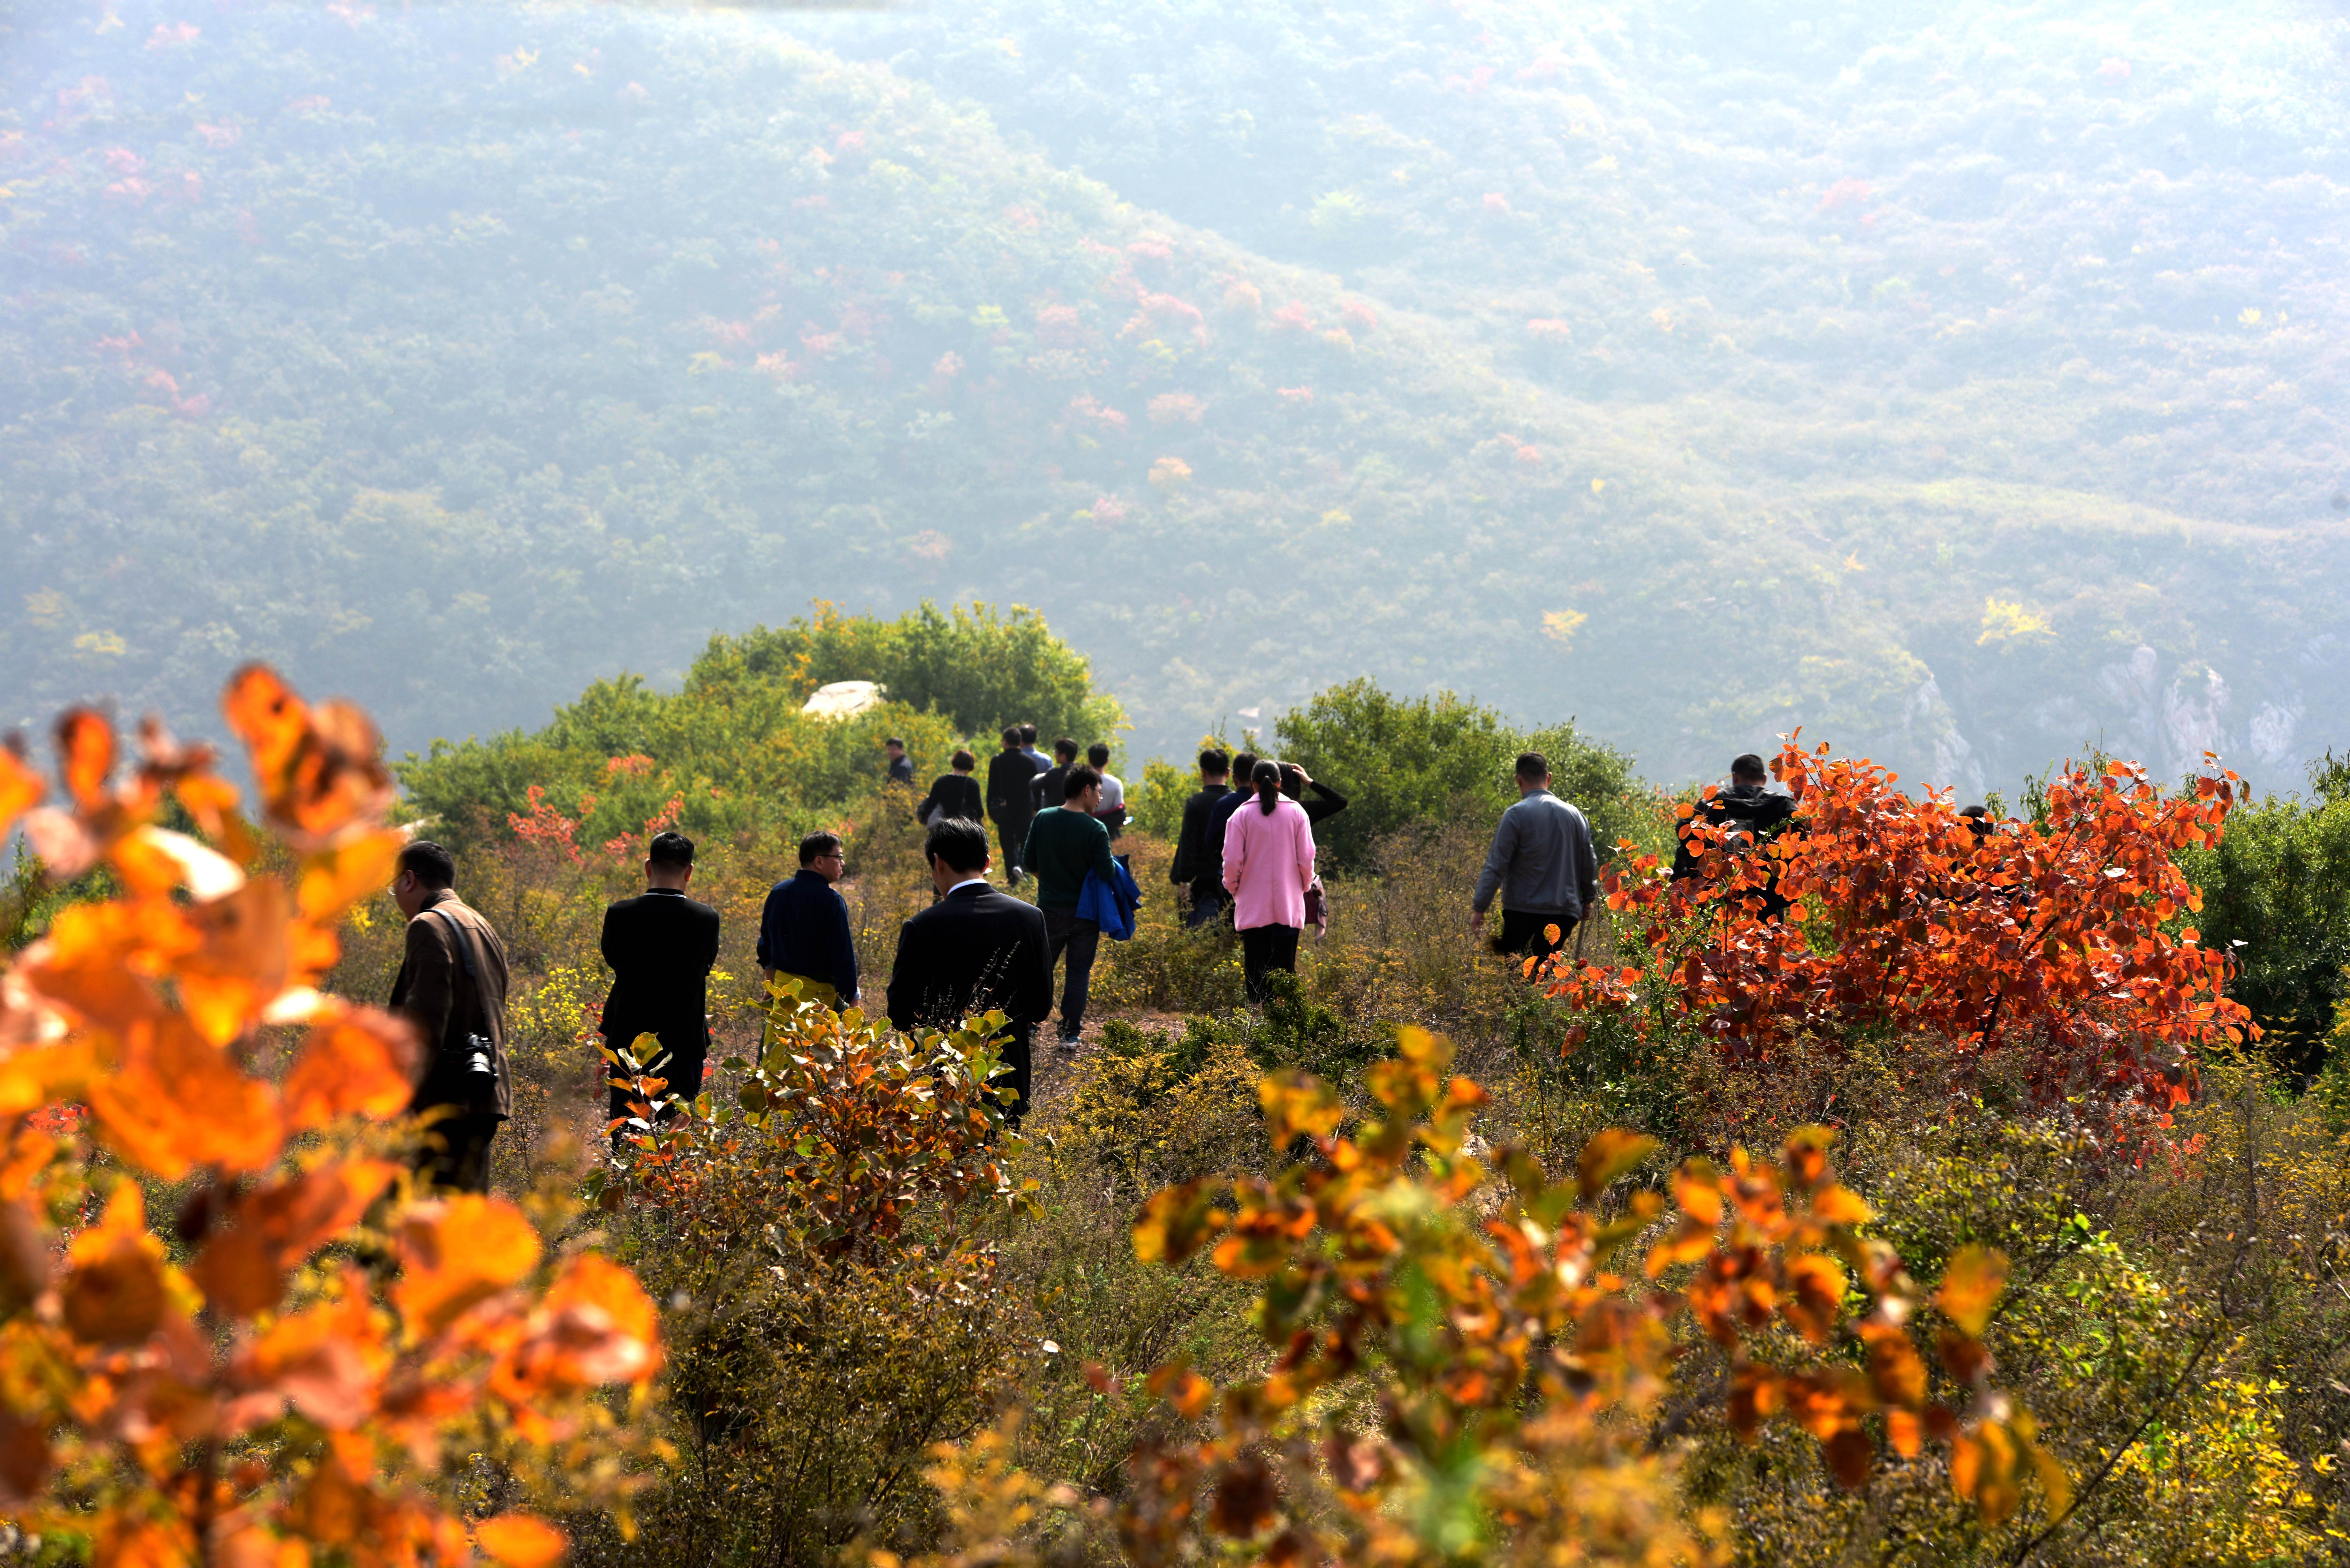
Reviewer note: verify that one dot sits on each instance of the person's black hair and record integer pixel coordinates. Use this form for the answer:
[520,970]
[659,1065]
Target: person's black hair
[1292,780]
[964,761]
[1012,737]
[1213,761]
[1244,767]
[1065,749]
[1266,777]
[1978,820]
[1748,766]
[816,844]
[894,740]
[434,867]
[1080,779]
[672,848]
[959,841]
[1027,734]
[1098,754]
[1533,765]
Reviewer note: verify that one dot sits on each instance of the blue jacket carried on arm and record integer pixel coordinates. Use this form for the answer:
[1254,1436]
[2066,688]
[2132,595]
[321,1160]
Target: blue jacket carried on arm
[1110,905]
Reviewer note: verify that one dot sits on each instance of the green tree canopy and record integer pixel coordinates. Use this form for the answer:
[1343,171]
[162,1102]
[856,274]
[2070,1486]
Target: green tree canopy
[1402,760]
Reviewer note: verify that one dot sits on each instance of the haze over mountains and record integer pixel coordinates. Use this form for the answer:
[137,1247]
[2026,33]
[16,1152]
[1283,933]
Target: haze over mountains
[1962,383]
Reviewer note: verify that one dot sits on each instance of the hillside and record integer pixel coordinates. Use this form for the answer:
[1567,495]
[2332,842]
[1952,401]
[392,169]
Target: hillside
[1694,379]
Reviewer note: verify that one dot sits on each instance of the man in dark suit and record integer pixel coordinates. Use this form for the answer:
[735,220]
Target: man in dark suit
[661,948]
[953,795]
[1192,868]
[974,951]
[1044,789]
[452,987]
[1009,773]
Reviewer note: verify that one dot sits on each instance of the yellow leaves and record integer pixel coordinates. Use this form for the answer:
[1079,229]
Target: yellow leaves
[114,1290]
[1297,1106]
[1970,1287]
[458,1252]
[356,1061]
[1560,626]
[521,1540]
[2007,620]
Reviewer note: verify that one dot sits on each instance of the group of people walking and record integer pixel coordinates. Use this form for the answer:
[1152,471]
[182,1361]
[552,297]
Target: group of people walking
[1245,854]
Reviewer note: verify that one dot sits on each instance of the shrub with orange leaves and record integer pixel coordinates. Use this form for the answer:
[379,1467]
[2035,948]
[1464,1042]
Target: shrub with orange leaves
[2051,937]
[1463,1370]
[333,1340]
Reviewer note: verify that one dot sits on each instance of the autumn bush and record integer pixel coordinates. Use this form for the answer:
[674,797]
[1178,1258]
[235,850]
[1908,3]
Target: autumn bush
[230,1329]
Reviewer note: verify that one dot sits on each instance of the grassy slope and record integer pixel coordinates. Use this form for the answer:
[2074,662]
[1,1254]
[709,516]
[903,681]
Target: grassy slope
[546,344]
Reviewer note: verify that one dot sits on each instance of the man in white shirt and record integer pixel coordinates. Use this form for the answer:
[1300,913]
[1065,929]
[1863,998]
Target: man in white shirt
[1112,814]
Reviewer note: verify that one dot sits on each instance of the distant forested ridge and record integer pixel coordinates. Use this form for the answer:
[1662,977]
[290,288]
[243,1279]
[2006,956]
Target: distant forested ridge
[1960,382]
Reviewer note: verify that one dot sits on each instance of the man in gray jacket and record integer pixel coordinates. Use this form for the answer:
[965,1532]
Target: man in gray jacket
[1542,863]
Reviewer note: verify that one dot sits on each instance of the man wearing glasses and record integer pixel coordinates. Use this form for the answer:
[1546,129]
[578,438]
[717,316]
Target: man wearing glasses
[804,930]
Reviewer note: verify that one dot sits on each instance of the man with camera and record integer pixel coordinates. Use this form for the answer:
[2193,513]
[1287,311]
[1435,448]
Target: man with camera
[661,947]
[452,987]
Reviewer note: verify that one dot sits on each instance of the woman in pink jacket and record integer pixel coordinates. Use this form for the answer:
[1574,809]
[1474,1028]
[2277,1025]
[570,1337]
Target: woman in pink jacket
[1268,866]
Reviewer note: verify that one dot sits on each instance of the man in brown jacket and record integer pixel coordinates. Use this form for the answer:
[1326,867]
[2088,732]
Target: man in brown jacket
[452,986]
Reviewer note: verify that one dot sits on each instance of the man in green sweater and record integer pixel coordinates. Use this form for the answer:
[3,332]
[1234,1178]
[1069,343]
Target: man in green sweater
[1063,843]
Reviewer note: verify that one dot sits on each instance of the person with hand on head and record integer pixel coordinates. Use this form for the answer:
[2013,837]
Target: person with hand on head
[953,794]
[901,766]
[1009,803]
[1194,867]
[661,947]
[1542,863]
[1268,867]
[452,986]
[804,930]
[1063,845]
[1112,813]
[1327,803]
[975,951]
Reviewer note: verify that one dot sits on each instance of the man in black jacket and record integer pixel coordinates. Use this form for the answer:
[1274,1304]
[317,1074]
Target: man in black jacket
[452,987]
[661,948]
[1009,773]
[974,951]
[953,795]
[1192,860]
[1045,789]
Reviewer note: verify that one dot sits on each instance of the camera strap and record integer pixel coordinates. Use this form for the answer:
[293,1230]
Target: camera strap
[465,957]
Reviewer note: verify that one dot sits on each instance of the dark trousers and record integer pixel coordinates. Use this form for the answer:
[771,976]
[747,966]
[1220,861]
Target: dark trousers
[1264,949]
[456,1153]
[1206,903]
[1082,938]
[683,1071]
[1013,835]
[1015,1056]
[1523,934]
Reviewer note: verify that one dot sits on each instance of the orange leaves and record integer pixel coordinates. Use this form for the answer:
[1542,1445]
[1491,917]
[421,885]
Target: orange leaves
[242,1270]
[142,1010]
[321,776]
[1296,1106]
[175,1101]
[1608,1156]
[356,1061]
[1970,1287]
[20,788]
[521,1540]
[457,1252]
[1872,910]
[114,1289]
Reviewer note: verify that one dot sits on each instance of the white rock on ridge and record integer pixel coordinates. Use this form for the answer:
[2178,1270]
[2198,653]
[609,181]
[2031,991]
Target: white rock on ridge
[842,700]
